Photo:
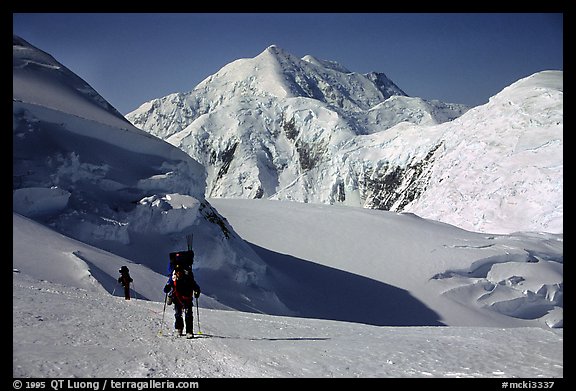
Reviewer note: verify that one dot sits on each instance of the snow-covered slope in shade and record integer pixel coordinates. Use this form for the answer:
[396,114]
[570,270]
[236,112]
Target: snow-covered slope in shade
[34,74]
[82,169]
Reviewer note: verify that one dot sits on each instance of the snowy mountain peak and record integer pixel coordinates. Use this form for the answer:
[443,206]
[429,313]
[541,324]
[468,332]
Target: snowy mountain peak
[267,126]
[275,55]
[275,50]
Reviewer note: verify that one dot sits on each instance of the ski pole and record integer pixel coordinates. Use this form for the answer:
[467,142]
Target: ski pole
[163,312]
[198,316]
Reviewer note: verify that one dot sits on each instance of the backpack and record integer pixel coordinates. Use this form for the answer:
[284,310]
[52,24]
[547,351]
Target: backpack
[185,259]
[124,278]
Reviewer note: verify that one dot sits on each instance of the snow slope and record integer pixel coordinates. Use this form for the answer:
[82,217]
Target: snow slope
[66,323]
[64,332]
[345,260]
[501,168]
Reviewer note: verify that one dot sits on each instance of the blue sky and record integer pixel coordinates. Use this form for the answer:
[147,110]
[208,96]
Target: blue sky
[454,57]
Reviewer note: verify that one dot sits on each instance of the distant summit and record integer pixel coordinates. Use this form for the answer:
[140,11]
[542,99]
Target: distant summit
[302,129]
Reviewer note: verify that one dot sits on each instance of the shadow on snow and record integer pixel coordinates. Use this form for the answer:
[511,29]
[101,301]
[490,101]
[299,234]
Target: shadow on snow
[204,335]
[321,292]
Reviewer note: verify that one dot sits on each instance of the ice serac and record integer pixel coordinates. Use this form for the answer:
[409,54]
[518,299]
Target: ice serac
[82,169]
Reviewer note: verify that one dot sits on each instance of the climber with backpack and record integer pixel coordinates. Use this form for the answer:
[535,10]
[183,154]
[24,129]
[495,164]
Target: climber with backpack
[125,281]
[182,288]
